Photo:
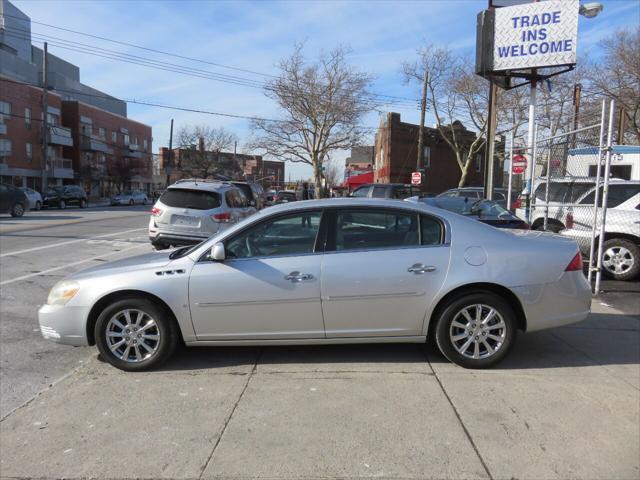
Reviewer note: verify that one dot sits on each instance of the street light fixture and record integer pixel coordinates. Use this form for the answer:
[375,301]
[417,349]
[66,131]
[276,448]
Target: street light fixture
[590,10]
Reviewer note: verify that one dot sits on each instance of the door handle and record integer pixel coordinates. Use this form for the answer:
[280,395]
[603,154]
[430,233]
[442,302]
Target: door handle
[419,268]
[298,277]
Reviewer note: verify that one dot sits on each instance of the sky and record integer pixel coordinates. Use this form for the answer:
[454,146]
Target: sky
[254,36]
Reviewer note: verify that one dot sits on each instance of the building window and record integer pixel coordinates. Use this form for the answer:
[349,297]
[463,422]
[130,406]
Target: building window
[5,110]
[478,162]
[145,144]
[53,119]
[5,147]
[86,129]
[125,138]
[27,117]
[114,137]
[426,157]
[29,151]
[102,133]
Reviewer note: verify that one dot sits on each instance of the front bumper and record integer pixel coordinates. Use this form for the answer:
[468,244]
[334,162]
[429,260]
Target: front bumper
[550,305]
[64,324]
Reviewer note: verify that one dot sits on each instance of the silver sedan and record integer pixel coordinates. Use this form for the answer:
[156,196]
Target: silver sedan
[328,271]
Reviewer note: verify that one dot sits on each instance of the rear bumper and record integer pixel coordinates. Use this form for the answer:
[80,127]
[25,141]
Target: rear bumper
[64,324]
[550,305]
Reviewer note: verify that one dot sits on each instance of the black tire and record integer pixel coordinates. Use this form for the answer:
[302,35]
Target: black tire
[17,210]
[159,246]
[165,326]
[83,203]
[450,312]
[38,205]
[631,253]
[554,227]
[131,202]
[62,205]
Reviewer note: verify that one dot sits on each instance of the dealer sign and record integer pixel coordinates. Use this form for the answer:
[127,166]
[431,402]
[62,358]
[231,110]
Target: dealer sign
[541,34]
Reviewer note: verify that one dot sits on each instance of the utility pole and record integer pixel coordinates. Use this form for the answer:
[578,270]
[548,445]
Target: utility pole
[45,123]
[423,110]
[169,166]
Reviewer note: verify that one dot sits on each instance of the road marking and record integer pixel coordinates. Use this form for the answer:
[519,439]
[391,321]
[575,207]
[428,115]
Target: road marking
[43,247]
[80,262]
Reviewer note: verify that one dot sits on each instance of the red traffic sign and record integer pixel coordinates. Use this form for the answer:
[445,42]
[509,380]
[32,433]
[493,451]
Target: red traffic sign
[518,164]
[416,178]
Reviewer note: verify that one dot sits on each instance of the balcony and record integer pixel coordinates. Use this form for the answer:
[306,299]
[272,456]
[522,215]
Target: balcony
[62,168]
[60,136]
[95,143]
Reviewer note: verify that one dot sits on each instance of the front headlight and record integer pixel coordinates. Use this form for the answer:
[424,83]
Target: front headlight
[62,292]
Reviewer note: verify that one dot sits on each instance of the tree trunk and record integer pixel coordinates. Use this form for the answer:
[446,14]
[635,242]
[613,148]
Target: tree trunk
[463,175]
[317,179]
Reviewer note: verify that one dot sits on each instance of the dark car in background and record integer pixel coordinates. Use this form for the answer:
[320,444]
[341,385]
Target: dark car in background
[485,211]
[477,193]
[386,190]
[64,195]
[254,193]
[285,196]
[12,200]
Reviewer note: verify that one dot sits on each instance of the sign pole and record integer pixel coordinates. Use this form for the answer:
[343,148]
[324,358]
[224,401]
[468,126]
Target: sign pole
[530,169]
[596,200]
[510,169]
[491,137]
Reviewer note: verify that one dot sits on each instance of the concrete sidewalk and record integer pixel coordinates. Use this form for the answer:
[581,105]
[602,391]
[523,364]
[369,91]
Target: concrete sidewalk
[566,404]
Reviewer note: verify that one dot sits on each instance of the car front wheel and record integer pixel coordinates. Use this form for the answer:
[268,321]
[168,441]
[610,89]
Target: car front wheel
[133,334]
[62,205]
[38,205]
[83,203]
[476,330]
[17,210]
[621,259]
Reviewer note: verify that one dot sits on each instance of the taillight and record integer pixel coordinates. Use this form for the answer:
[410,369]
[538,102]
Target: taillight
[516,204]
[575,264]
[569,221]
[156,212]
[221,217]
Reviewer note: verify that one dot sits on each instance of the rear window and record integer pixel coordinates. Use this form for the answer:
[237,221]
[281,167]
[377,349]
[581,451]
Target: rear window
[196,199]
[246,189]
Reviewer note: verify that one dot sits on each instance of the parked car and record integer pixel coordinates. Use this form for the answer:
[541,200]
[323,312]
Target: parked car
[34,199]
[12,200]
[65,195]
[477,193]
[485,211]
[327,271]
[269,197]
[386,190]
[254,193]
[563,192]
[190,211]
[130,197]
[285,196]
[621,249]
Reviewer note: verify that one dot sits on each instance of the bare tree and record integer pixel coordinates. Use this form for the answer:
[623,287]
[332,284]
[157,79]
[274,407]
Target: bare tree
[333,171]
[322,104]
[618,76]
[200,150]
[458,96]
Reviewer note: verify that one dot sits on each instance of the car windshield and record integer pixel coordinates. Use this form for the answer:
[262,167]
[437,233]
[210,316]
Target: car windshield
[195,199]
[54,190]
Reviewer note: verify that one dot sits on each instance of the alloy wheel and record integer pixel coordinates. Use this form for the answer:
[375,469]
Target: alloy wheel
[617,260]
[132,335]
[478,331]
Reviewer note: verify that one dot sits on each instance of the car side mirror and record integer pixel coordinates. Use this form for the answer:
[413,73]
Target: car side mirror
[217,252]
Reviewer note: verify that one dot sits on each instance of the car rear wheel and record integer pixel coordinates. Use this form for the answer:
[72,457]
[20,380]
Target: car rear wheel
[131,202]
[133,334]
[62,205]
[17,210]
[38,205]
[160,246]
[476,330]
[621,259]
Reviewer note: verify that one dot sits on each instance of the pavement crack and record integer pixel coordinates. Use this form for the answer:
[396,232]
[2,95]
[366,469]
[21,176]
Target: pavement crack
[228,419]
[457,414]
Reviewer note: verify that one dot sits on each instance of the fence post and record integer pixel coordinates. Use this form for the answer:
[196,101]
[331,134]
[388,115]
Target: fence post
[597,193]
[510,169]
[605,195]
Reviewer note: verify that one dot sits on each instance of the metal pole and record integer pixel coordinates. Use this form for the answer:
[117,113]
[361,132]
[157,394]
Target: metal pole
[423,110]
[510,169]
[169,166]
[597,193]
[491,137]
[546,192]
[605,194]
[531,166]
[45,123]
[531,180]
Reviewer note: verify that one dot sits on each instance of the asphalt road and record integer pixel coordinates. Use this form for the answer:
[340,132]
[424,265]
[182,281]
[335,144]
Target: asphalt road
[36,251]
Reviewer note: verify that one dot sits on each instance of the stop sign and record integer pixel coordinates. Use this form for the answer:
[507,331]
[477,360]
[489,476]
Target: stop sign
[416,178]
[518,164]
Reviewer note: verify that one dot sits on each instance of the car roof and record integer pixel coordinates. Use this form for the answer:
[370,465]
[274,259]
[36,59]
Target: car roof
[204,185]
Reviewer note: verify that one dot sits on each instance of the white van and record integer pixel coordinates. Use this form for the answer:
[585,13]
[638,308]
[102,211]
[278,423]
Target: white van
[625,162]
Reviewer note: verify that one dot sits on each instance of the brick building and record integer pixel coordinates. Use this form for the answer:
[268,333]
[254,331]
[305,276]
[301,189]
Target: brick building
[360,161]
[396,151]
[247,167]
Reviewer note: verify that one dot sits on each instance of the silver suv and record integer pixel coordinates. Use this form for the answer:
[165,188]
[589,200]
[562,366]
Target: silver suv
[190,211]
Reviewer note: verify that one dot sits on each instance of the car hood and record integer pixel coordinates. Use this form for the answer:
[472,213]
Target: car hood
[130,264]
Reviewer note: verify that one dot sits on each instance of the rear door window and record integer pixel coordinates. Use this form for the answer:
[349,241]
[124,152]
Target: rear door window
[194,199]
[361,192]
[373,228]
[401,192]
[621,193]
[379,191]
